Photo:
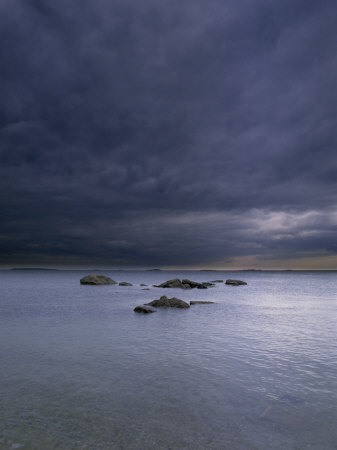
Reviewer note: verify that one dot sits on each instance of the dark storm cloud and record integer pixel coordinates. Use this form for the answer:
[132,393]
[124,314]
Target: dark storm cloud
[166,132]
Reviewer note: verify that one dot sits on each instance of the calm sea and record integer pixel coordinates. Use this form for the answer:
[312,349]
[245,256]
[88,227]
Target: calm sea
[80,370]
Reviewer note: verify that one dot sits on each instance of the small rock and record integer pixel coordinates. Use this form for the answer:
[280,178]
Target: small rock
[145,289]
[235,282]
[217,281]
[124,283]
[97,279]
[169,303]
[200,302]
[208,283]
[142,284]
[144,309]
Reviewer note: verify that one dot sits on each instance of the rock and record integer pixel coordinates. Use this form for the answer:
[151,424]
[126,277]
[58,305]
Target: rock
[169,303]
[235,282]
[217,281]
[144,309]
[192,284]
[96,279]
[175,283]
[124,283]
[145,289]
[200,302]
[142,284]
[183,284]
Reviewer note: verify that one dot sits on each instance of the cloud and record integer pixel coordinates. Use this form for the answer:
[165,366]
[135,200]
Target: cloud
[178,129]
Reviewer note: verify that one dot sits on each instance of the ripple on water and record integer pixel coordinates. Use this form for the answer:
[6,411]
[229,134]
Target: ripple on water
[254,370]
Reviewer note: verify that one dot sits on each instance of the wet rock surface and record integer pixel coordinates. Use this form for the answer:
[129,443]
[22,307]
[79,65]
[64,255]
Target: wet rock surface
[124,283]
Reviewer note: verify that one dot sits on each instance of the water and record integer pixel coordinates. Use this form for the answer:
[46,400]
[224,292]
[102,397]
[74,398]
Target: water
[81,370]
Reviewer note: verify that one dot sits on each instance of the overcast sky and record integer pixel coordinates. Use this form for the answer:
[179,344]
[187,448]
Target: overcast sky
[168,133]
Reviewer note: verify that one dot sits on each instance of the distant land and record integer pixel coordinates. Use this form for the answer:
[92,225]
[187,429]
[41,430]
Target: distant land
[252,270]
[110,269]
[209,270]
[31,268]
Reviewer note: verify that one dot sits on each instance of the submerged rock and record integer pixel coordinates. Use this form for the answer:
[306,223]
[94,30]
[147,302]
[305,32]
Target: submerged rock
[200,302]
[144,309]
[184,284]
[145,289]
[97,279]
[169,303]
[142,284]
[235,282]
[125,283]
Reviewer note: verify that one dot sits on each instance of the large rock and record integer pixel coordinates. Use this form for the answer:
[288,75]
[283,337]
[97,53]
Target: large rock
[169,303]
[235,282]
[125,283]
[183,284]
[144,309]
[97,279]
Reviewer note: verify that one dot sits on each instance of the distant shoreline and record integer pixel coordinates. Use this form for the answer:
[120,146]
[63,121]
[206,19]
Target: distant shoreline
[97,270]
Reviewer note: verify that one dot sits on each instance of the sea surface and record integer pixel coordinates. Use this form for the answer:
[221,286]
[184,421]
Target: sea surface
[79,369]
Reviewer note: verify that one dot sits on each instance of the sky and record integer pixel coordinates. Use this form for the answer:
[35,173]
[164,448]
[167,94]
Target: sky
[166,133]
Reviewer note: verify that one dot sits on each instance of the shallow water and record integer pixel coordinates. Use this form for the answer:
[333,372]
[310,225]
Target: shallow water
[81,370]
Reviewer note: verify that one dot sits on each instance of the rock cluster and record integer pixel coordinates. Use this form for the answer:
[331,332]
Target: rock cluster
[184,284]
[96,279]
[235,282]
[163,301]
